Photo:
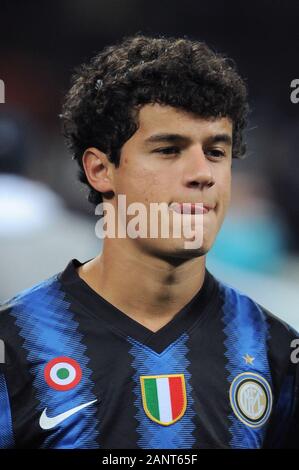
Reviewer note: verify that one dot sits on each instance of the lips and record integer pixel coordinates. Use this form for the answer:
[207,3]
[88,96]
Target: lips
[190,207]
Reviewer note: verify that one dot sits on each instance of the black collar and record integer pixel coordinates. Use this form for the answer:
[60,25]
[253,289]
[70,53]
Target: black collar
[195,311]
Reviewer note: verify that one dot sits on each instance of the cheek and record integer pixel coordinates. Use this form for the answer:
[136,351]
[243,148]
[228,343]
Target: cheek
[225,190]
[227,196]
[139,185]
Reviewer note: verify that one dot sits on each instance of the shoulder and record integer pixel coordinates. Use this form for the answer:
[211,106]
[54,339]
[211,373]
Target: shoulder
[249,326]
[26,317]
[245,311]
[32,300]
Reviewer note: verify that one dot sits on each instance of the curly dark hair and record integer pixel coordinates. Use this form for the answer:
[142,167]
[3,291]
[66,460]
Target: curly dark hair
[101,108]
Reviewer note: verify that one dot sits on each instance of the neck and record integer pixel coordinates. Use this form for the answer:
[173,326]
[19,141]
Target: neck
[148,289]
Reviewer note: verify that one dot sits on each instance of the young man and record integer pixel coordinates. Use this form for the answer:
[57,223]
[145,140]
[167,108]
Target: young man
[142,347]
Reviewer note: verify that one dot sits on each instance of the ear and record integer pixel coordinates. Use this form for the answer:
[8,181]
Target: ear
[97,168]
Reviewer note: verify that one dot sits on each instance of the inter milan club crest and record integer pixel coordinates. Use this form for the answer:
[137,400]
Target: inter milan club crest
[62,373]
[164,397]
[251,399]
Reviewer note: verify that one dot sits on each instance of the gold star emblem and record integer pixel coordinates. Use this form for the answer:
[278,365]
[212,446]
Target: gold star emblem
[248,359]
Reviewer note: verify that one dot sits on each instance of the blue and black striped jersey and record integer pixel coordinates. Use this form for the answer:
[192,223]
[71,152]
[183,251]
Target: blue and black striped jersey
[80,373]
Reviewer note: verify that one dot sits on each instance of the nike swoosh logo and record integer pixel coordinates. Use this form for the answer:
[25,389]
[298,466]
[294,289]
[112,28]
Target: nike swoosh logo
[47,422]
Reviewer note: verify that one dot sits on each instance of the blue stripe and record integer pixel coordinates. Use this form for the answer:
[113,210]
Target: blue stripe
[6,432]
[172,360]
[49,330]
[247,332]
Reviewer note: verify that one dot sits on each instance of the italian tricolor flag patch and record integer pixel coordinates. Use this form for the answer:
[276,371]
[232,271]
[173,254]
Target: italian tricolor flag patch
[164,397]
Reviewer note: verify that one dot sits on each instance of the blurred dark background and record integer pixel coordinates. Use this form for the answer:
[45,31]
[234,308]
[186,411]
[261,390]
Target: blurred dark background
[42,42]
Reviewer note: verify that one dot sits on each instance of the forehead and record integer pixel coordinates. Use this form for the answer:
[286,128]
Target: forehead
[156,118]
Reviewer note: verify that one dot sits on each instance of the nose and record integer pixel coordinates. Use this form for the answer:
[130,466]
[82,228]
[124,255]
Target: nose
[198,171]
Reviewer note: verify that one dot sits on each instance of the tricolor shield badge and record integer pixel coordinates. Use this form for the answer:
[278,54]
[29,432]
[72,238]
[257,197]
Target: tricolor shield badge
[164,397]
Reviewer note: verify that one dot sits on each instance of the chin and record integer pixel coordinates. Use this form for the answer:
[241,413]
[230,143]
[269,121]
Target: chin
[179,252]
[189,253]
[175,248]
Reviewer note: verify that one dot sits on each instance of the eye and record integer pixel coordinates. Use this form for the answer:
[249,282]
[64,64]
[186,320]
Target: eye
[215,153]
[168,150]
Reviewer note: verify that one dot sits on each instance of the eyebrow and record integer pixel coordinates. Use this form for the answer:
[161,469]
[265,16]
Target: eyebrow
[176,138]
[220,138]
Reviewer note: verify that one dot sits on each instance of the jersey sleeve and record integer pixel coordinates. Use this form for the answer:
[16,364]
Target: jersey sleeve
[6,430]
[292,436]
[6,426]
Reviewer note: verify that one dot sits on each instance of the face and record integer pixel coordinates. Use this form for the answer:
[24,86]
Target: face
[177,157]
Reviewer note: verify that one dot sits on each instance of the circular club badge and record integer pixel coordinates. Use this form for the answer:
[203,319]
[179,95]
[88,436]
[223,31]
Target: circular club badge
[63,373]
[251,399]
